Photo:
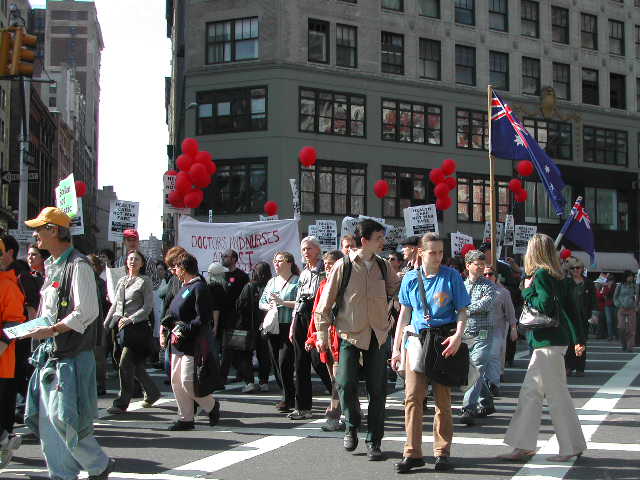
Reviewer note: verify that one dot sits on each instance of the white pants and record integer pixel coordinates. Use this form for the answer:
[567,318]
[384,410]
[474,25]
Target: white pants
[546,377]
[182,372]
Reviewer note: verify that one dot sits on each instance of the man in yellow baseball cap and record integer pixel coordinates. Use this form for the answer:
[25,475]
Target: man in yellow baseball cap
[50,215]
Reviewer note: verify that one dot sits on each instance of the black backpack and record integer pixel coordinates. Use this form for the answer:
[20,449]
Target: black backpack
[346,276]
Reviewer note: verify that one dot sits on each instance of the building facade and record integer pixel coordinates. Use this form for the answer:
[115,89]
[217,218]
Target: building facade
[105,195]
[387,89]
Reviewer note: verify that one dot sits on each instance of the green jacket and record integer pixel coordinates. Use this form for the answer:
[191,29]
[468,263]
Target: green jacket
[540,295]
[581,301]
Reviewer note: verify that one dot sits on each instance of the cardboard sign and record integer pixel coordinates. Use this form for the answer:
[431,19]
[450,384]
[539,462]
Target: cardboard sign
[459,240]
[113,276]
[348,226]
[169,183]
[392,237]
[327,234]
[486,236]
[66,199]
[77,222]
[420,220]
[521,236]
[295,194]
[375,219]
[508,230]
[123,215]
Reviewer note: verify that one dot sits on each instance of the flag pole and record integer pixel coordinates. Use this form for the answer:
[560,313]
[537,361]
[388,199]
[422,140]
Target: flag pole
[492,183]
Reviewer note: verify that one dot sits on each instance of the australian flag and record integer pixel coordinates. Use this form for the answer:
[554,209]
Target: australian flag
[578,230]
[511,140]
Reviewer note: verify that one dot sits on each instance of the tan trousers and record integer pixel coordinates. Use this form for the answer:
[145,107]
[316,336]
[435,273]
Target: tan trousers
[546,376]
[627,327]
[415,391]
[182,372]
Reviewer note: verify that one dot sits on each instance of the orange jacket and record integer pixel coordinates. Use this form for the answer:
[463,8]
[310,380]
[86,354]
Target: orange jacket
[11,312]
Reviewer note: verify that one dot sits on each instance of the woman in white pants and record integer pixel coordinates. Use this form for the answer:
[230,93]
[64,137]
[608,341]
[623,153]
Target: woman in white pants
[546,376]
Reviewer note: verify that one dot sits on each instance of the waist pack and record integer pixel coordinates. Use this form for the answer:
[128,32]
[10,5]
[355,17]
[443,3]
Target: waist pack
[452,371]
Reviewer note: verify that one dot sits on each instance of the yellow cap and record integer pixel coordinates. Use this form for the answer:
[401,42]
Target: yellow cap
[51,215]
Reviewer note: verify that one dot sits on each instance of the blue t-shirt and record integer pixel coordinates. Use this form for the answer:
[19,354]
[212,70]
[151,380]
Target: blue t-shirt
[445,294]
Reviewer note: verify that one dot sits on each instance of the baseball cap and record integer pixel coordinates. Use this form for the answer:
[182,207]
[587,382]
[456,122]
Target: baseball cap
[50,215]
[131,233]
[412,240]
[216,269]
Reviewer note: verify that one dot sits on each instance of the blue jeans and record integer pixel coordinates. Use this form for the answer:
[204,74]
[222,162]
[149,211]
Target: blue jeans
[479,394]
[610,314]
[494,369]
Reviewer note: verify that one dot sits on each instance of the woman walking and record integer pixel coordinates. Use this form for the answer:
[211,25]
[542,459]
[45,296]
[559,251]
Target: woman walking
[626,301]
[130,312]
[546,375]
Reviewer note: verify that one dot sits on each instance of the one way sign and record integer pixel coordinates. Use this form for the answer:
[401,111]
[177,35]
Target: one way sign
[12,176]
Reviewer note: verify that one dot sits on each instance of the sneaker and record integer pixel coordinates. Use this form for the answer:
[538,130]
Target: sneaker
[466,417]
[249,388]
[300,415]
[264,387]
[105,474]
[214,414]
[115,410]
[180,425]
[149,403]
[333,425]
[8,449]
[483,412]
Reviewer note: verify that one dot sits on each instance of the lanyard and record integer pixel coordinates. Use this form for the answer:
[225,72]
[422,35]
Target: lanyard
[423,297]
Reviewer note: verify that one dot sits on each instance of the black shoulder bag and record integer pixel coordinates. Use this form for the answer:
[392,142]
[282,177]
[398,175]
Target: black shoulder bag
[136,336]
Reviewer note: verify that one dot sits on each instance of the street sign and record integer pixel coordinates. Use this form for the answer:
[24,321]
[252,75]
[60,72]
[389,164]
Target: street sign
[13,176]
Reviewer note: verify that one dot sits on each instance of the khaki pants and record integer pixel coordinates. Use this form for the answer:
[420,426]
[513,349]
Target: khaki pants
[415,391]
[182,373]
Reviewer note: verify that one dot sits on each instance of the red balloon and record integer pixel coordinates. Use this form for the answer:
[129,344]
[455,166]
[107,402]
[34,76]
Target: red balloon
[190,146]
[381,188]
[444,203]
[271,208]
[525,168]
[448,166]
[203,157]
[171,172]
[176,199]
[199,175]
[442,190]
[565,253]
[81,188]
[436,176]
[308,156]
[183,183]
[212,167]
[515,185]
[193,199]
[451,182]
[466,248]
[184,162]
[521,196]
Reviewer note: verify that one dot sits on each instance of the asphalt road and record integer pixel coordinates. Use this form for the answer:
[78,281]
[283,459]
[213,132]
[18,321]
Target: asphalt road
[253,441]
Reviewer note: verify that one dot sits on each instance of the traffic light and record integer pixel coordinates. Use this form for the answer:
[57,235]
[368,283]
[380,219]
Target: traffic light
[6,42]
[22,52]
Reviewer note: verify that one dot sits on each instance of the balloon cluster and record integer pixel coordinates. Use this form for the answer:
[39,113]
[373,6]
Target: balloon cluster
[524,169]
[444,183]
[565,253]
[195,170]
[81,188]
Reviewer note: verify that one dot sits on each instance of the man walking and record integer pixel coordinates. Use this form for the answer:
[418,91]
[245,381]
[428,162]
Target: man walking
[62,398]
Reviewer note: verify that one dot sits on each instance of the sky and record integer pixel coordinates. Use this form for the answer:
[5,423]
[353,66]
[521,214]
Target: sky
[133,134]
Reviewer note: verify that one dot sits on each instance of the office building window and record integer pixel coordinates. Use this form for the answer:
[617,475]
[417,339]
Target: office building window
[499,70]
[411,122]
[318,41]
[346,46]
[530,18]
[562,80]
[602,205]
[616,37]
[240,187]
[429,8]
[538,207]
[332,113]
[393,5]
[472,131]
[465,65]
[590,87]
[530,76]
[637,41]
[392,53]
[465,12]
[618,91]
[602,145]
[589,31]
[498,18]
[429,61]
[473,198]
[232,40]
[333,188]
[408,187]
[233,110]
[560,24]
[553,137]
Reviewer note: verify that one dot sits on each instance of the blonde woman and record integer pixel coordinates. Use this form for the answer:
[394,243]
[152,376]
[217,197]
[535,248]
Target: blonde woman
[546,375]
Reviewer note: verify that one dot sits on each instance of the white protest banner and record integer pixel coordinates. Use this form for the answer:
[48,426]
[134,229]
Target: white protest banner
[169,182]
[348,226]
[327,234]
[113,275]
[77,222]
[123,215]
[66,199]
[508,230]
[459,240]
[253,241]
[312,231]
[267,219]
[486,236]
[295,198]
[420,220]
[392,237]
[521,235]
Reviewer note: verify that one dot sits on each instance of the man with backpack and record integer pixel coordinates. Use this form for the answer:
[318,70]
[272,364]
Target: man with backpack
[359,286]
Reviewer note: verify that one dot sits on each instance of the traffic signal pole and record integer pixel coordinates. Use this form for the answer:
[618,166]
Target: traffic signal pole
[23,191]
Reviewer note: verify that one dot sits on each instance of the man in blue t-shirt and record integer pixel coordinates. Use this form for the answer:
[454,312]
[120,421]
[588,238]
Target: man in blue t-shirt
[447,300]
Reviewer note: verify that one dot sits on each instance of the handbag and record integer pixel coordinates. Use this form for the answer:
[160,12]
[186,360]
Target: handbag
[270,323]
[532,319]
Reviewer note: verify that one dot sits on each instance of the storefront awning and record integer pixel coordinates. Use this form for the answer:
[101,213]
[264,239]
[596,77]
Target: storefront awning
[609,261]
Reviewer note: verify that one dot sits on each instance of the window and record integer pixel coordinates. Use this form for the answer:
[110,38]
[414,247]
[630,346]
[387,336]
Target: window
[334,188]
[52,102]
[472,131]
[232,40]
[562,80]
[240,187]
[602,205]
[589,31]
[429,8]
[318,41]
[430,59]
[411,122]
[590,87]
[408,187]
[616,37]
[332,113]
[530,76]
[498,19]
[618,91]
[346,46]
[602,145]
[637,41]
[530,19]
[465,12]
[499,70]
[538,207]
[560,24]
[393,5]
[465,65]
[234,110]
[392,53]
[473,198]
[553,137]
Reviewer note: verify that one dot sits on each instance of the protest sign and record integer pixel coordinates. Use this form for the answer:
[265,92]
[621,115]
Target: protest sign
[123,215]
[66,199]
[268,219]
[327,234]
[348,226]
[420,220]
[521,236]
[77,222]
[169,182]
[23,237]
[392,237]
[486,236]
[113,275]
[253,241]
[375,219]
[295,198]
[508,230]
[459,240]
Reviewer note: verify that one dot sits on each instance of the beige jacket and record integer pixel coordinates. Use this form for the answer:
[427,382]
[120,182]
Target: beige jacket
[364,306]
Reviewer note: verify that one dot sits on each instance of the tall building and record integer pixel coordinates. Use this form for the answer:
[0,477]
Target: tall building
[387,89]
[103,204]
